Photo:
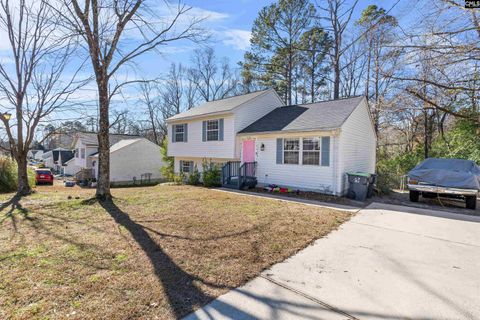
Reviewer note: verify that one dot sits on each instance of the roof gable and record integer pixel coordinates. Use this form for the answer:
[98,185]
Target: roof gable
[219,106]
[90,138]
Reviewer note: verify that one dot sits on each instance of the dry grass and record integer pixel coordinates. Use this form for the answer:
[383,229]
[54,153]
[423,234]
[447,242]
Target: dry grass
[156,252]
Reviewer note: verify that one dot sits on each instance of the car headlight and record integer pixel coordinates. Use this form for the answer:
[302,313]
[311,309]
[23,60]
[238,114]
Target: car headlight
[412,181]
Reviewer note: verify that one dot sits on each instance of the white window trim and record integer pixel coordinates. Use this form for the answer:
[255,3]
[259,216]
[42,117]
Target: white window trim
[182,167]
[300,151]
[319,151]
[175,126]
[212,130]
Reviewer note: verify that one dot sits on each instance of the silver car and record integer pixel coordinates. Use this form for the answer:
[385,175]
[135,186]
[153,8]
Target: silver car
[453,178]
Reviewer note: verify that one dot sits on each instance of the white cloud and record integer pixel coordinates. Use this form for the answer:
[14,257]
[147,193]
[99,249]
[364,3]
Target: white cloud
[237,38]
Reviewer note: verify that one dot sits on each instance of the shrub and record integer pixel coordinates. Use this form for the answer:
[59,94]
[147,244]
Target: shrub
[211,174]
[167,170]
[194,177]
[179,178]
[9,177]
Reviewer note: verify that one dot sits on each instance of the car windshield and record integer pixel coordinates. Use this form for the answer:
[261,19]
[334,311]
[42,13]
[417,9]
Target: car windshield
[43,172]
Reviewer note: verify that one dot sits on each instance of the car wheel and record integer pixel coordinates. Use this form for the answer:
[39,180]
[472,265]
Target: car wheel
[414,195]
[471,202]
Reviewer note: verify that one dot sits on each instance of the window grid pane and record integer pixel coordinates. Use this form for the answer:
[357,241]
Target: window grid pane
[179,132]
[186,167]
[212,130]
[291,151]
[311,151]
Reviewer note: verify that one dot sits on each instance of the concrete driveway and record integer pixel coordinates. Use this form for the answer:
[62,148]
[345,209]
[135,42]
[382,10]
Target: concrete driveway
[387,262]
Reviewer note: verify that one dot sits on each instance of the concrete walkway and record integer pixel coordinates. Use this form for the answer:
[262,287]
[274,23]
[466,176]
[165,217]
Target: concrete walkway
[387,262]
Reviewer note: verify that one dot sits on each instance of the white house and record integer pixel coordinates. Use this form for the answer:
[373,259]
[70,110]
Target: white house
[35,154]
[70,168]
[132,158]
[210,130]
[56,158]
[306,147]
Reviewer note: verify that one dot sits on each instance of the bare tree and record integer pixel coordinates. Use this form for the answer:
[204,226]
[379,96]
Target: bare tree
[213,79]
[102,26]
[35,85]
[339,14]
[151,101]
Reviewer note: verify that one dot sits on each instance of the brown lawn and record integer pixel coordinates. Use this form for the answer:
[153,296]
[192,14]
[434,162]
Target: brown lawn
[155,252]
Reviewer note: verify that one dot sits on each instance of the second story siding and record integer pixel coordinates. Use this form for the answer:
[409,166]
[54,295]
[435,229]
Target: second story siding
[204,138]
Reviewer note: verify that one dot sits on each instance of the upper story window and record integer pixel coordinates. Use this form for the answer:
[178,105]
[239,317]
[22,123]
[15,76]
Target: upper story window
[311,151]
[77,154]
[179,133]
[82,153]
[291,151]
[212,130]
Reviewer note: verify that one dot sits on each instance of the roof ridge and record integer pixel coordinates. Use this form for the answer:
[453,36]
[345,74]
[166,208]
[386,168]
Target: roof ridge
[235,96]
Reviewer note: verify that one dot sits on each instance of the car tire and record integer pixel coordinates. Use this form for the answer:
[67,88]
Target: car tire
[471,202]
[414,195]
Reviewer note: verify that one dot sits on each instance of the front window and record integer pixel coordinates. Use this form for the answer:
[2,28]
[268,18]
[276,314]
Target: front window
[212,130]
[311,151]
[185,167]
[291,150]
[77,154]
[82,152]
[179,132]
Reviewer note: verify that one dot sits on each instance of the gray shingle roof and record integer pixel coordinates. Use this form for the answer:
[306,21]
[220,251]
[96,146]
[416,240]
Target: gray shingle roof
[91,138]
[323,115]
[217,106]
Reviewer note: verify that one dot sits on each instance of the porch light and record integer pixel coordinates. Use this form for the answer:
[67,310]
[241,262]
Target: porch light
[262,147]
[6,116]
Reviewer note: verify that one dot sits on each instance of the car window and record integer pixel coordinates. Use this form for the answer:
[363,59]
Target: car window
[43,172]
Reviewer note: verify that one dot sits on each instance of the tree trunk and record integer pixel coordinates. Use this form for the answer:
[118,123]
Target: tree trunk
[23,186]
[336,81]
[103,183]
[426,135]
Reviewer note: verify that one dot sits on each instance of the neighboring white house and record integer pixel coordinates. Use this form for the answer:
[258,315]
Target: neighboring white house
[306,147]
[132,158]
[35,154]
[70,168]
[56,158]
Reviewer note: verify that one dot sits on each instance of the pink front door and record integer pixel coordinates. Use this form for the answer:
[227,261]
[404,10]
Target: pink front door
[248,151]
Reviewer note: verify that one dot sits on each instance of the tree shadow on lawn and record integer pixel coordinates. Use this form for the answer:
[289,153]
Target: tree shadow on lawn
[181,291]
[14,204]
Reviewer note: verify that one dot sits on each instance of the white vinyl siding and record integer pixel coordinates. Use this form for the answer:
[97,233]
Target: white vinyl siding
[303,177]
[196,147]
[357,145]
[135,160]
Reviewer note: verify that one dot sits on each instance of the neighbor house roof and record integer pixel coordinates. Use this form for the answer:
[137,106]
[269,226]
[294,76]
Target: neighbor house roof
[219,106]
[119,145]
[66,156]
[325,115]
[90,138]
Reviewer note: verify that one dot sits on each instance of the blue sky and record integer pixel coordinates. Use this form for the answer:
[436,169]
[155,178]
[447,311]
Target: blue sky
[230,23]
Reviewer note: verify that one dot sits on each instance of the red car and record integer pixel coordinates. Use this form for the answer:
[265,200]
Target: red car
[43,176]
